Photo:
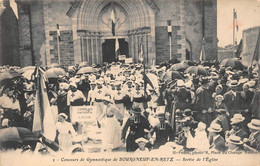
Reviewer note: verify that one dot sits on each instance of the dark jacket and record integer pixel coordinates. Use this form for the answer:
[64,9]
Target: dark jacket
[241,133]
[162,136]
[218,144]
[136,131]
[233,103]
[203,99]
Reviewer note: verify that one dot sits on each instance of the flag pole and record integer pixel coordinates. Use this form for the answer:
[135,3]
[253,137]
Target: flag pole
[58,42]
[234,12]
[170,37]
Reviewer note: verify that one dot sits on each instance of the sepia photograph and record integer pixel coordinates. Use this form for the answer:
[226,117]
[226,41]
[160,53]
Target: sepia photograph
[129,82]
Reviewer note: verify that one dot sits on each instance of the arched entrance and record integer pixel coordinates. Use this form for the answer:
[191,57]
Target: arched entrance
[108,49]
[135,24]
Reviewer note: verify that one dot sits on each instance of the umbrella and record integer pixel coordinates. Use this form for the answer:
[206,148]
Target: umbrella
[16,134]
[55,65]
[179,66]
[28,74]
[10,74]
[232,62]
[171,75]
[86,70]
[84,64]
[56,71]
[197,70]
[27,68]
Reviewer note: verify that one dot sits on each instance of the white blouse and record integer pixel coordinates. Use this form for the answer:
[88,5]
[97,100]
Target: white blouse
[65,127]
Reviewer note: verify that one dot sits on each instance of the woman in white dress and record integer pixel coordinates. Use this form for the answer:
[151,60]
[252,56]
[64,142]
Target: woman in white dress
[66,132]
[201,142]
[110,125]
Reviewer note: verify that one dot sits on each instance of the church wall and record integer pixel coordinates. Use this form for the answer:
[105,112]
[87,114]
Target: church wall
[193,26]
[55,13]
[186,20]
[38,31]
[211,29]
[9,43]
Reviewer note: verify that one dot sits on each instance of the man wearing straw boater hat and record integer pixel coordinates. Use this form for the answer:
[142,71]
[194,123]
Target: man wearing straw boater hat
[163,131]
[137,124]
[216,141]
[233,99]
[237,127]
[234,143]
[254,138]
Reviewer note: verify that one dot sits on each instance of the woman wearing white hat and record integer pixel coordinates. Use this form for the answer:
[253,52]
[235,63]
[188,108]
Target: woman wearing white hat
[65,132]
[111,129]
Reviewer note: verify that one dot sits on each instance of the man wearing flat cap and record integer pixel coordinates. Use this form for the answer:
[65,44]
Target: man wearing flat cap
[237,127]
[137,125]
[163,131]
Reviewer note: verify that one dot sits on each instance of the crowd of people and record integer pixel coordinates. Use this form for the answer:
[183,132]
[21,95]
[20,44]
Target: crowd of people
[148,109]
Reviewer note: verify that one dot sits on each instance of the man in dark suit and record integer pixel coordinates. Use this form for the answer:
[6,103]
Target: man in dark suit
[222,120]
[163,131]
[182,98]
[137,124]
[203,102]
[237,127]
[233,99]
[216,141]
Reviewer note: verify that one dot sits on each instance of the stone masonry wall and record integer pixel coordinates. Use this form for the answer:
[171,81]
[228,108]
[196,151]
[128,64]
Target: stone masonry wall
[66,47]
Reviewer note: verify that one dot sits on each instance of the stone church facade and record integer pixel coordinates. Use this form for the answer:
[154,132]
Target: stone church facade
[85,30]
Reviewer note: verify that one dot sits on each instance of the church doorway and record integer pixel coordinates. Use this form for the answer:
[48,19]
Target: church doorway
[108,49]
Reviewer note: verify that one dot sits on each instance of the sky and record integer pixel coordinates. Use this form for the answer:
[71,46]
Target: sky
[248,15]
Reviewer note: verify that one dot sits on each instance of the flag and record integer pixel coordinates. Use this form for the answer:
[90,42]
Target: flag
[255,59]
[147,81]
[43,120]
[239,49]
[202,51]
[117,49]
[58,32]
[141,53]
[113,21]
[235,18]
[169,28]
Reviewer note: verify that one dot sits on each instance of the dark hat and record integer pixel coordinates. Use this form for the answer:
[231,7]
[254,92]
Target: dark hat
[204,80]
[137,110]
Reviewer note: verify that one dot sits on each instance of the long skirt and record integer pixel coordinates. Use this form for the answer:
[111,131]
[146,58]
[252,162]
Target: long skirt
[99,106]
[111,132]
[121,109]
[65,141]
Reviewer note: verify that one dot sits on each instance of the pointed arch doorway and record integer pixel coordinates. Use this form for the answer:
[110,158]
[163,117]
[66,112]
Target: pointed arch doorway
[108,49]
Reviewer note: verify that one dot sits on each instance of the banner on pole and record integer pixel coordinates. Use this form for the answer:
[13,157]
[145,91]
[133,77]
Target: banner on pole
[83,114]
